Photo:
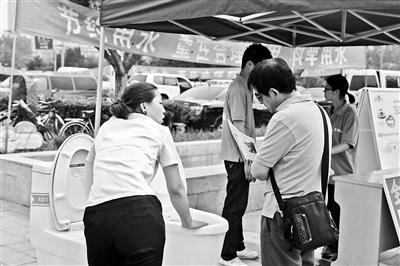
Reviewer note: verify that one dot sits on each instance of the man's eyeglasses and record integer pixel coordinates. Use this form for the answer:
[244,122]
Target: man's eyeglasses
[326,89]
[259,97]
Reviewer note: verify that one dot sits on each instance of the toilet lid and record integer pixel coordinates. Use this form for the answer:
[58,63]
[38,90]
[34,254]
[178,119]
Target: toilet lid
[70,185]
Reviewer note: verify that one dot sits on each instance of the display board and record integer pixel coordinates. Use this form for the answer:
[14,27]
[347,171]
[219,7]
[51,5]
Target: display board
[391,186]
[379,137]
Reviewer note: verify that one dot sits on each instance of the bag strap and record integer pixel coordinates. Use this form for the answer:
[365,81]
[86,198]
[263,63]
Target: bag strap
[325,155]
[324,166]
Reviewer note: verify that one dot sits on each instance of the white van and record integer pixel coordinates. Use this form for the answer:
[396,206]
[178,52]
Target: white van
[51,84]
[169,85]
[372,78]
[389,78]
[360,78]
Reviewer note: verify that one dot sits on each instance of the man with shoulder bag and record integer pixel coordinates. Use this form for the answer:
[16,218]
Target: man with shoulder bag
[292,152]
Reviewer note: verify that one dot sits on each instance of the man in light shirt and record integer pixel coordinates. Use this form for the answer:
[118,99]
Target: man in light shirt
[238,108]
[293,147]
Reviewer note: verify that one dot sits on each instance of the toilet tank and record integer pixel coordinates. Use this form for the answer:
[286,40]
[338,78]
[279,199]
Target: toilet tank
[40,215]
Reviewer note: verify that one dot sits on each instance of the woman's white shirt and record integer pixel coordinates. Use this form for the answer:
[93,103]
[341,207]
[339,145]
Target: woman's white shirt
[126,154]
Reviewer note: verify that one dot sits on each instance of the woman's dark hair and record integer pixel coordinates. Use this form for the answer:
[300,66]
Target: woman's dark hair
[255,53]
[272,73]
[339,82]
[131,98]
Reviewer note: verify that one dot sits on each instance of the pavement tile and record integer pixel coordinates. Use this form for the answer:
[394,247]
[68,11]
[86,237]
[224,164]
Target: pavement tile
[17,259]
[30,252]
[15,231]
[22,246]
[6,213]
[6,241]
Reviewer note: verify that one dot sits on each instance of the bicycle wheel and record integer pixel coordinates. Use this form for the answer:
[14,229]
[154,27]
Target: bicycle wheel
[74,127]
[58,123]
[47,134]
[54,124]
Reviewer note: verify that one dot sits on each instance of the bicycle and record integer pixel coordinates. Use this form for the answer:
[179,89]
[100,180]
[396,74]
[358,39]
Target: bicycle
[23,120]
[49,119]
[78,125]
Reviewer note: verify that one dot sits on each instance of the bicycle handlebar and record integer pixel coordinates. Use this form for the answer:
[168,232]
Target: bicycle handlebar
[49,102]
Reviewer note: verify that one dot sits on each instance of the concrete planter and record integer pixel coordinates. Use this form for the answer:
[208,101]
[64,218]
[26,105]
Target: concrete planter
[16,174]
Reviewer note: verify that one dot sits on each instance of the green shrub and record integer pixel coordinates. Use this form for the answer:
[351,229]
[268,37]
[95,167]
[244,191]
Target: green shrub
[176,113]
[73,109]
[200,134]
[195,135]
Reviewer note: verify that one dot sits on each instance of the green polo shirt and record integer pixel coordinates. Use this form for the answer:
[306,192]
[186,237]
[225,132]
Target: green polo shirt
[238,106]
[344,130]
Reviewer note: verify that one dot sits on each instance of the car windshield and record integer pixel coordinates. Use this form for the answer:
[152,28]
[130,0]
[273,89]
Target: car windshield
[5,83]
[204,93]
[139,77]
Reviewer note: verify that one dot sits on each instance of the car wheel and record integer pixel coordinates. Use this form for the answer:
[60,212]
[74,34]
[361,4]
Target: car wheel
[217,123]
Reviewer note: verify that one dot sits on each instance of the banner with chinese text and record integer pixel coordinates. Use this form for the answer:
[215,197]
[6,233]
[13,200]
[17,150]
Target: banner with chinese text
[66,21]
[201,73]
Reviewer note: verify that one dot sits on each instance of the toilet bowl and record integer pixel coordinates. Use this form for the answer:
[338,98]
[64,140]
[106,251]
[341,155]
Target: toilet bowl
[59,194]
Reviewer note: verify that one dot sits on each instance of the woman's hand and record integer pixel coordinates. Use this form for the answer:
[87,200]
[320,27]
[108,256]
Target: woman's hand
[195,225]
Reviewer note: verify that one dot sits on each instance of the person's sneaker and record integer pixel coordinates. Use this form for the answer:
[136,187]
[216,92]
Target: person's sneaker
[247,254]
[233,262]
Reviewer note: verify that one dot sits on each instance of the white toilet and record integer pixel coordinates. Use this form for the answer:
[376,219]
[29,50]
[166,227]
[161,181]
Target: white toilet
[59,194]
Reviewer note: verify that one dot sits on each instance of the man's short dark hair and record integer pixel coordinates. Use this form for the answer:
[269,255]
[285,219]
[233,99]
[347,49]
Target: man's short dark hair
[272,73]
[255,53]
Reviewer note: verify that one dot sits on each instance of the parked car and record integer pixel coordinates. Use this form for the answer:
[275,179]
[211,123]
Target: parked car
[207,101]
[317,94]
[169,85]
[219,82]
[372,78]
[52,84]
[108,84]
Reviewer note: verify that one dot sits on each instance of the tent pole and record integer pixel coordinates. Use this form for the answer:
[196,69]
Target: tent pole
[99,82]
[62,55]
[10,92]
[55,59]
[293,49]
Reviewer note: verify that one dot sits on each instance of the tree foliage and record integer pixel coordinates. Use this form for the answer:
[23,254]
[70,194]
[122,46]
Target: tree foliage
[74,57]
[120,62]
[384,57]
[37,63]
[23,50]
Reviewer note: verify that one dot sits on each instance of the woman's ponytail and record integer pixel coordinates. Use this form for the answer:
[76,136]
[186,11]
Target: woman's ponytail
[131,98]
[352,99]
[120,110]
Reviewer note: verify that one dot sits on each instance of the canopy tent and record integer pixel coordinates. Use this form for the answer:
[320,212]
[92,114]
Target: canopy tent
[291,23]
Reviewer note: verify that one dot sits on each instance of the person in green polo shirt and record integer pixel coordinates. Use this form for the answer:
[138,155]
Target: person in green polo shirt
[344,142]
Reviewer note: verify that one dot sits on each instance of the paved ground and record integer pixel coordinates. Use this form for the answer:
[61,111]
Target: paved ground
[16,249]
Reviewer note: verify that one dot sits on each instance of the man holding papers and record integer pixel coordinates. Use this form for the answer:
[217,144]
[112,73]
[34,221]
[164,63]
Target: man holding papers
[293,146]
[238,108]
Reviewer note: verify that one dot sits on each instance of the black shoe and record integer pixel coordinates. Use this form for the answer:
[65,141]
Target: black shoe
[333,256]
[328,254]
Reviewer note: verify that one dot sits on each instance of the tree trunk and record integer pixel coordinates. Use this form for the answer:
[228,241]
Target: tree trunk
[120,83]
